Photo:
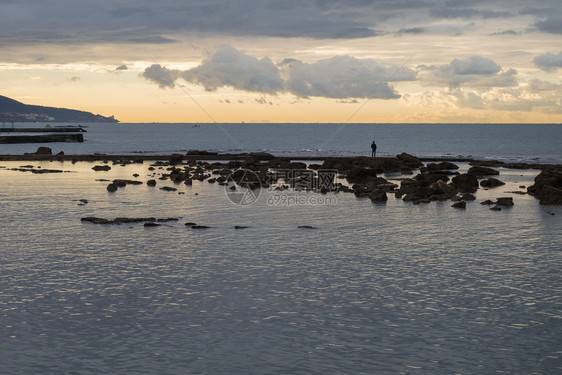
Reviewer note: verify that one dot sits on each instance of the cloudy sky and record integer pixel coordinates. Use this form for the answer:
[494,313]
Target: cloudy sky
[287,60]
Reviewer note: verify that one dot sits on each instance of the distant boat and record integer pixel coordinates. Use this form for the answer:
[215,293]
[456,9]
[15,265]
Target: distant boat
[195,126]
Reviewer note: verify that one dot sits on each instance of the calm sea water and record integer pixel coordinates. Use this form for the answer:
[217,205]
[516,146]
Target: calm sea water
[374,289]
[508,142]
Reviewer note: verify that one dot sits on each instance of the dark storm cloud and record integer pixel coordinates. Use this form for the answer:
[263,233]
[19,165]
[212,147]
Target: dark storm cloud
[338,77]
[551,25]
[26,22]
[475,72]
[548,61]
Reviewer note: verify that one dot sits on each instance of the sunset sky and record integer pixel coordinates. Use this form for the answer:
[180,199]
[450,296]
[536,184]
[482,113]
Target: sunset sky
[287,61]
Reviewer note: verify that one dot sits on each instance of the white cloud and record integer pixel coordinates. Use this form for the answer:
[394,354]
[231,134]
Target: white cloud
[338,77]
[229,67]
[163,77]
[345,77]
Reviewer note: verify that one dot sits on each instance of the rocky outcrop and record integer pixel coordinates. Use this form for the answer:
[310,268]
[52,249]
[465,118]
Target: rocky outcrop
[547,187]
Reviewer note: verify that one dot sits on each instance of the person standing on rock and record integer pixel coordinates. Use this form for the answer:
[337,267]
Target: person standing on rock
[373,149]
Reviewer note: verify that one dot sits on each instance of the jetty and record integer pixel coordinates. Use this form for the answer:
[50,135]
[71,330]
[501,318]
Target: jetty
[42,138]
[63,129]
[55,134]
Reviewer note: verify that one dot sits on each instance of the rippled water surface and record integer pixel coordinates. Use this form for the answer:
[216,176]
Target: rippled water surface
[391,288]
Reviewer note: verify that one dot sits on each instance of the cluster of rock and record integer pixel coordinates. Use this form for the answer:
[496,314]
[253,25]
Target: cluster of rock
[439,181]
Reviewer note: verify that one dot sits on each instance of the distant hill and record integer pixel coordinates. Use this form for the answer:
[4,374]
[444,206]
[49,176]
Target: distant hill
[12,110]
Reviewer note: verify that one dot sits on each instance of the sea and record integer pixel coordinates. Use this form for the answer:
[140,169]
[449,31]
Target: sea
[311,284]
[507,142]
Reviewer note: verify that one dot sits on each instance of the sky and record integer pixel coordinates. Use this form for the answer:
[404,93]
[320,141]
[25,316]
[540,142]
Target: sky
[371,61]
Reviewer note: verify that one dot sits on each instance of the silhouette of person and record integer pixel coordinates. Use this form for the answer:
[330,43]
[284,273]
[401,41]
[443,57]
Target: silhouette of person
[373,149]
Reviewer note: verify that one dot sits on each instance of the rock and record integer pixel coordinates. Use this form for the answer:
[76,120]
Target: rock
[61,153]
[468,197]
[101,168]
[487,202]
[201,152]
[478,170]
[123,220]
[495,208]
[460,204]
[112,187]
[466,183]
[151,224]
[44,151]
[95,220]
[122,183]
[441,187]
[547,187]
[306,227]
[378,195]
[409,160]
[176,159]
[190,224]
[444,165]
[167,188]
[505,201]
[491,182]
[199,227]
[550,195]
[240,227]
[358,174]
[151,183]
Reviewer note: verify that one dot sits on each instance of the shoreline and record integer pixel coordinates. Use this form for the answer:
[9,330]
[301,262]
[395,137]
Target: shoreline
[209,156]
